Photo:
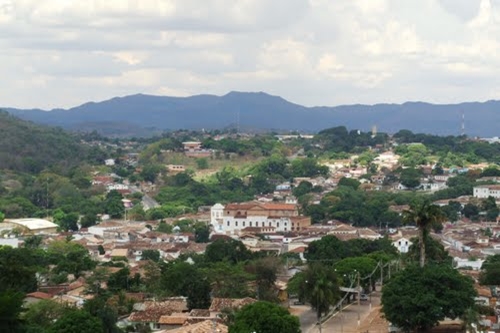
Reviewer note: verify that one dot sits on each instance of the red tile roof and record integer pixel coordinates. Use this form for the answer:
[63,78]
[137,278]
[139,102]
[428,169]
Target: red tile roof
[39,295]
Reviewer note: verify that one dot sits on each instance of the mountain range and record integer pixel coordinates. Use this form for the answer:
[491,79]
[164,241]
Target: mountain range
[142,115]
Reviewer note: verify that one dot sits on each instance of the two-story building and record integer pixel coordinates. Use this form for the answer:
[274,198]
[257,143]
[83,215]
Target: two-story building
[485,191]
[402,244]
[233,218]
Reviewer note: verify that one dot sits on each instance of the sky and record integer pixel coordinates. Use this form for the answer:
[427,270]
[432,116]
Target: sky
[62,53]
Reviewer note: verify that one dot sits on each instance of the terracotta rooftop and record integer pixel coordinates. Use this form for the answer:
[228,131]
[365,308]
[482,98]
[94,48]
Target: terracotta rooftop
[151,311]
[300,249]
[173,319]
[277,206]
[199,313]
[218,304]
[207,326]
[39,295]
[267,206]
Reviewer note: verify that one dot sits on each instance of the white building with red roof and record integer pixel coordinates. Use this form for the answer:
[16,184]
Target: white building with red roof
[256,216]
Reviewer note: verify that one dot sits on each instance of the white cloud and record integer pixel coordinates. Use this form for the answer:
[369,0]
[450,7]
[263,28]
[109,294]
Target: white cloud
[59,53]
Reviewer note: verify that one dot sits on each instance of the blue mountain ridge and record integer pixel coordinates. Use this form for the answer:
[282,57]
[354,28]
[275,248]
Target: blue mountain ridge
[261,111]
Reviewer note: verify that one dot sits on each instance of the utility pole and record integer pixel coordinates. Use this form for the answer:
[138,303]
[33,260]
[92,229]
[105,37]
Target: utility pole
[381,275]
[319,313]
[359,289]
[341,316]
[47,198]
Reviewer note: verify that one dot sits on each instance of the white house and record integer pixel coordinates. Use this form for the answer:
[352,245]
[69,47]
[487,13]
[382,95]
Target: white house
[257,217]
[117,187]
[462,263]
[402,244]
[485,191]
[103,227]
[433,186]
[109,162]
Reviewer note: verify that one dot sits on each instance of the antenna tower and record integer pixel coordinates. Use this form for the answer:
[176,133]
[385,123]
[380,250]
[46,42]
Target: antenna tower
[463,123]
[238,121]
[47,198]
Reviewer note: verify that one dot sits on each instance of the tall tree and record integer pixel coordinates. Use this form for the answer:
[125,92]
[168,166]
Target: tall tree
[319,286]
[11,306]
[264,317]
[425,216]
[77,321]
[418,298]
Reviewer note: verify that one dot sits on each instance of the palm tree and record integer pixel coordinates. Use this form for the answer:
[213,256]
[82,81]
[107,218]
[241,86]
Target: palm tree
[425,216]
[470,320]
[320,288]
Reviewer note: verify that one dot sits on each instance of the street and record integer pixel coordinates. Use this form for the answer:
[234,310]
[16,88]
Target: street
[353,319]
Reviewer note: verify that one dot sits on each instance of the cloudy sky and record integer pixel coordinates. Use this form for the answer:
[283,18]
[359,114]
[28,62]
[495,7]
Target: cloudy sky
[61,53]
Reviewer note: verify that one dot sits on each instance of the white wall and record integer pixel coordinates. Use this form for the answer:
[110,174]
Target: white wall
[13,242]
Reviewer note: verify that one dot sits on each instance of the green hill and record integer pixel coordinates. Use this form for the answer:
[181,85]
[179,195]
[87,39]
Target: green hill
[27,147]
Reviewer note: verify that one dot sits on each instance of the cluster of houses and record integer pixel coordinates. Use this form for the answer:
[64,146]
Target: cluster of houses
[274,228]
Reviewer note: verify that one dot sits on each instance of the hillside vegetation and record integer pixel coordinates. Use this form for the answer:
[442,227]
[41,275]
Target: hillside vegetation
[27,147]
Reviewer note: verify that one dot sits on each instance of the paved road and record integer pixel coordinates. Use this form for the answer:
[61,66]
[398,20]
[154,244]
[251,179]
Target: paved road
[353,319]
[308,319]
[149,202]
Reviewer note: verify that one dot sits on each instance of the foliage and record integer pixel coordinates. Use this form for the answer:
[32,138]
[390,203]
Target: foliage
[363,266]
[470,211]
[69,257]
[30,148]
[99,308]
[410,177]
[319,286]
[202,163]
[229,250]
[307,167]
[418,298]
[349,182]
[77,321]
[183,279]
[18,267]
[339,139]
[113,204]
[228,280]
[264,317]
[40,316]
[153,255]
[150,172]
[121,280]
[425,216]
[33,242]
[201,233]
[11,304]
[490,271]
[265,271]
[434,251]
[330,249]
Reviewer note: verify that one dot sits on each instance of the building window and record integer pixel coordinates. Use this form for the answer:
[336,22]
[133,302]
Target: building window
[236,223]
[228,223]
[243,223]
[250,223]
[285,224]
[270,223]
[277,224]
[262,224]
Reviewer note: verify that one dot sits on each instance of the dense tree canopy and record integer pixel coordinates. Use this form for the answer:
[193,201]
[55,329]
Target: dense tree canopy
[264,317]
[418,298]
[490,271]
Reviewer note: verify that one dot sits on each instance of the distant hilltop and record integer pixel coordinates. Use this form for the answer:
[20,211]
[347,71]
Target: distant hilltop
[141,114]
